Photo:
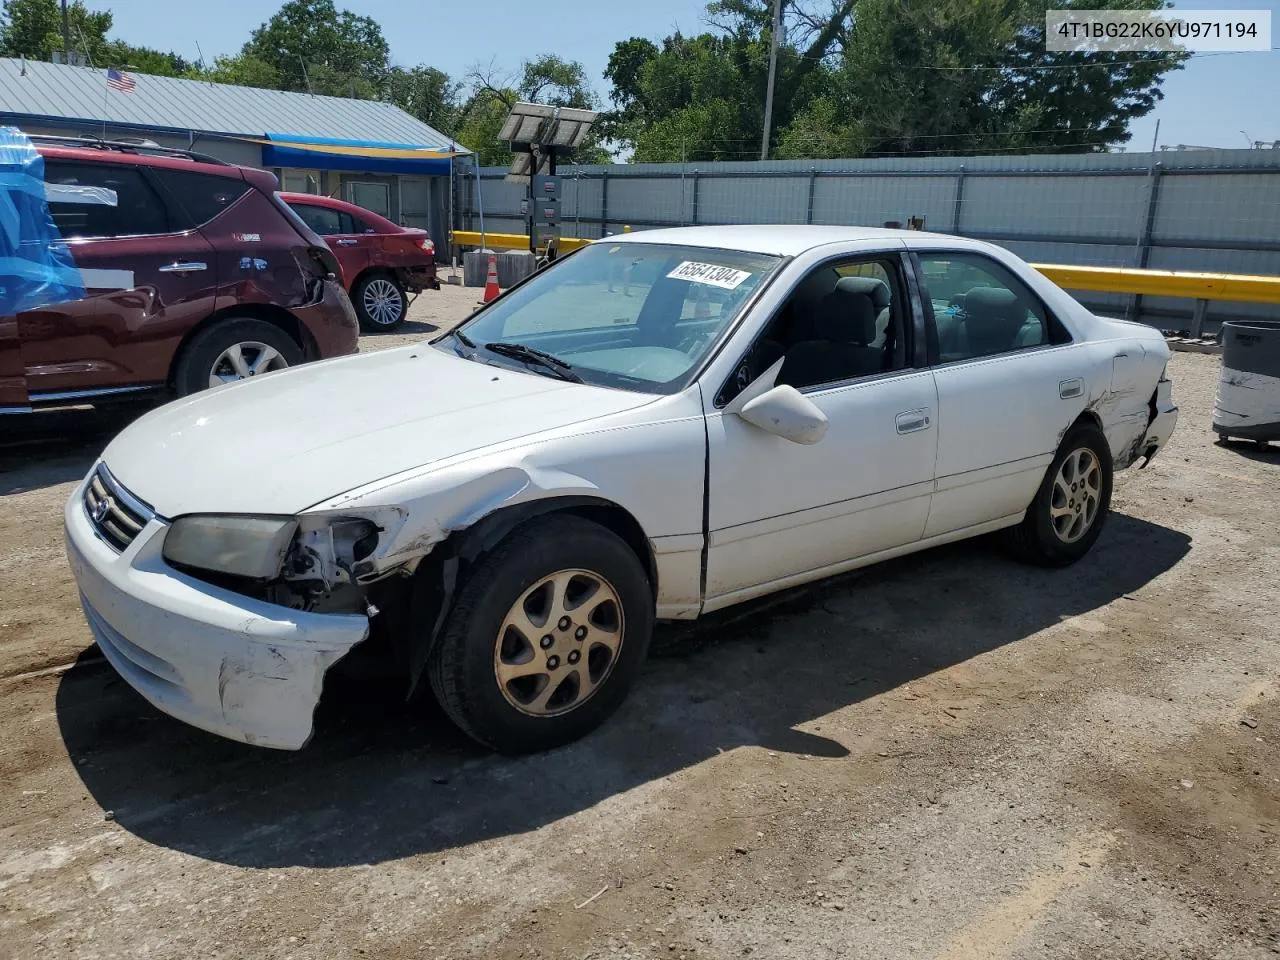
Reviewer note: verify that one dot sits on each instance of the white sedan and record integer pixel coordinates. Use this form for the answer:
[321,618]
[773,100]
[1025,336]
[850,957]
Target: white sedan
[658,426]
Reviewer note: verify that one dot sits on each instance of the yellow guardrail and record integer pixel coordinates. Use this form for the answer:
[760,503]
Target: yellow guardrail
[1200,287]
[1241,288]
[508,241]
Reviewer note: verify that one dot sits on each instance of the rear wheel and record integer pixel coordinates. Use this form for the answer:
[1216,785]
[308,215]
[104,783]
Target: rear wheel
[1071,506]
[546,636]
[380,302]
[231,350]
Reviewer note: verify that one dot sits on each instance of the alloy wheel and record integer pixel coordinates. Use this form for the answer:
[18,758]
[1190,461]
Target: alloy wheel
[1077,493]
[242,360]
[382,302]
[558,643]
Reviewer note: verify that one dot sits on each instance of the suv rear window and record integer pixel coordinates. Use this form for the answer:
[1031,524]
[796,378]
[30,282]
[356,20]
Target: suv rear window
[200,196]
[137,210]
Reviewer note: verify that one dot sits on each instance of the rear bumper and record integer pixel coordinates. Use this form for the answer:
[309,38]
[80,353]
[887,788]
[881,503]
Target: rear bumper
[1161,427]
[331,322]
[225,663]
[419,277]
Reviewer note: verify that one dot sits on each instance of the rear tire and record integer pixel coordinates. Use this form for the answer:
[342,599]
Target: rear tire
[380,302]
[1067,515]
[236,348]
[523,689]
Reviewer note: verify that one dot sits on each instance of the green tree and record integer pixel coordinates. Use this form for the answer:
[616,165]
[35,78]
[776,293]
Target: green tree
[312,45]
[426,93]
[545,79]
[877,76]
[243,70]
[33,29]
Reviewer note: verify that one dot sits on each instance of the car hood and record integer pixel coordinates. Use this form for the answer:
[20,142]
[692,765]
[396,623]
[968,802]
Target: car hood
[292,439]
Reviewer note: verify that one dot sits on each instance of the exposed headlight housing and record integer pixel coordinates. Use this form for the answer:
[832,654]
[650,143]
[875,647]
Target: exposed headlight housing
[252,547]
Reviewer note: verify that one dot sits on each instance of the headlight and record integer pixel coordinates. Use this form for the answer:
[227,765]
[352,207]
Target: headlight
[244,546]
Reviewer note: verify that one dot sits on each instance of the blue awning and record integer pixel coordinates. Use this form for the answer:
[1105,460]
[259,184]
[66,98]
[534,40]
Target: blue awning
[290,150]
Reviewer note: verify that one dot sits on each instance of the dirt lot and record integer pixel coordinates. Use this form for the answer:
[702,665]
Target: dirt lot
[948,756]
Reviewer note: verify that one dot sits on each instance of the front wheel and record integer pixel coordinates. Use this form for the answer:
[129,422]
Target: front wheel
[380,302]
[546,636]
[1070,508]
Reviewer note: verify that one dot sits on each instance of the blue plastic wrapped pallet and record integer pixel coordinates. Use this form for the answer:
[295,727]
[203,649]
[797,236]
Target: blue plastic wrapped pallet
[36,267]
[1248,402]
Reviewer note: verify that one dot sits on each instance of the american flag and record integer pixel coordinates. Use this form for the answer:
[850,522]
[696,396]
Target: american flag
[119,80]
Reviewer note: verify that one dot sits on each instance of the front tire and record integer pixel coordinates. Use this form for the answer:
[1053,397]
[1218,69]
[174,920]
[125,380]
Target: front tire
[546,636]
[380,302]
[1067,515]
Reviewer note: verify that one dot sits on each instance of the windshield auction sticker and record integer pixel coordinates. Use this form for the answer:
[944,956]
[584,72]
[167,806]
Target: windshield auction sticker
[711,274]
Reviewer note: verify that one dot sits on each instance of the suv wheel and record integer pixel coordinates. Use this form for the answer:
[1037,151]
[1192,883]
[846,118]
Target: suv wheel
[380,302]
[546,636]
[233,350]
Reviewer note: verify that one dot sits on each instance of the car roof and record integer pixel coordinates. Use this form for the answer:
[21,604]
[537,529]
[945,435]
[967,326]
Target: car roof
[785,240]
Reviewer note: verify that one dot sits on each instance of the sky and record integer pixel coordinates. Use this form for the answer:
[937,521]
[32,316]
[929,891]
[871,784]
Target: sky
[1220,100]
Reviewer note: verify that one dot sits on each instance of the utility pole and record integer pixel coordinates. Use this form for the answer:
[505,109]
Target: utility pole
[66,34]
[773,69]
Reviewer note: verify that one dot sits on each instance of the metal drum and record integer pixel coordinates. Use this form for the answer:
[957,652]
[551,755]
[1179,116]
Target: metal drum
[1248,403]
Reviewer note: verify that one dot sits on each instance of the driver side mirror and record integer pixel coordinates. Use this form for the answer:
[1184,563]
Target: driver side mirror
[785,412]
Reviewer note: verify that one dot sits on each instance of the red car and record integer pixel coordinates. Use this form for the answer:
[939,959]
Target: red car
[381,260]
[149,269]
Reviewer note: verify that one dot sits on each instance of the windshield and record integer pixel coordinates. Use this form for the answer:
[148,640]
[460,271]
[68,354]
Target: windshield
[635,315]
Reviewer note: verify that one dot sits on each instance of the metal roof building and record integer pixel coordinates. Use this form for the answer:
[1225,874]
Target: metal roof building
[365,151]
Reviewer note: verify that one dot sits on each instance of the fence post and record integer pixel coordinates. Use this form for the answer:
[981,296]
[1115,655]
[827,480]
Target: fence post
[604,202]
[1197,318]
[695,199]
[813,180]
[955,214]
[1144,235]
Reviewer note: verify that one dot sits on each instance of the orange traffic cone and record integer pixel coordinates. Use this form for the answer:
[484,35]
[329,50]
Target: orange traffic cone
[491,281]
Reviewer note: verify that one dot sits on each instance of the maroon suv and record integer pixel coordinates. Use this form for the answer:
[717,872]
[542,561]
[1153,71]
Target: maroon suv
[194,273]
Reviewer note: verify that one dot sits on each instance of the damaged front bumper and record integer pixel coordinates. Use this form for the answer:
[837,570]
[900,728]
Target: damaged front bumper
[238,667]
[1164,419]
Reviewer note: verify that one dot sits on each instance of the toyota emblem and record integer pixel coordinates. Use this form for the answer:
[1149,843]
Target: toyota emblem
[101,509]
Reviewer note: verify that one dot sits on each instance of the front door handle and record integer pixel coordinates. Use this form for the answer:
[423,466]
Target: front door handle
[913,421]
[184,266]
[347,243]
[1070,389]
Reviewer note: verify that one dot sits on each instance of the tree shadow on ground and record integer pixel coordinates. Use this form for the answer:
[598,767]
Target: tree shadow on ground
[382,780]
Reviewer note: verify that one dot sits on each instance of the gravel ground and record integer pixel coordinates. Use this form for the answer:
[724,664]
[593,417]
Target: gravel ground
[950,755]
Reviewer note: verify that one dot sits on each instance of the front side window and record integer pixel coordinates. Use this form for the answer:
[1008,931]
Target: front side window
[842,321]
[981,309]
[634,315]
[117,201]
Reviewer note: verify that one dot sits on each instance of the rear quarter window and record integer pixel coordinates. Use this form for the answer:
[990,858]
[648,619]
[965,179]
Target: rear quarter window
[199,197]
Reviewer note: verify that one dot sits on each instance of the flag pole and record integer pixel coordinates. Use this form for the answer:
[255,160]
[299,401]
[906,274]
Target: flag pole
[106,92]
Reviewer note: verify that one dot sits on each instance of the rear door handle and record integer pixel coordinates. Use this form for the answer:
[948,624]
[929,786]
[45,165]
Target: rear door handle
[184,266]
[1070,389]
[347,243]
[913,421]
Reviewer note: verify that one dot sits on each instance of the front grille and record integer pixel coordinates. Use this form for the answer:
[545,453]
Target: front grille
[115,513]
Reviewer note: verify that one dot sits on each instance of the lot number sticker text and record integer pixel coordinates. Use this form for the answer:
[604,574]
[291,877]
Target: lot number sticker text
[711,274]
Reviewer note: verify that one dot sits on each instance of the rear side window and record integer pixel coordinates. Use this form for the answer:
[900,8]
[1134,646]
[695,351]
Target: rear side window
[326,221]
[123,205]
[200,197]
